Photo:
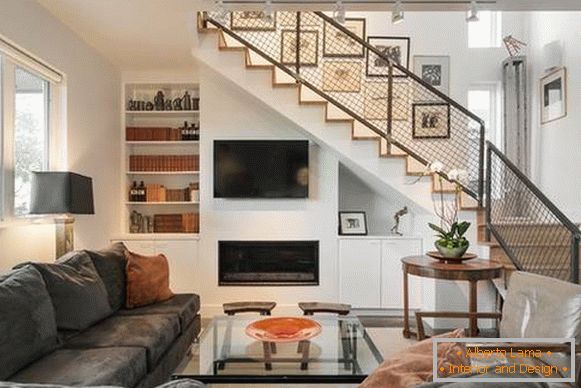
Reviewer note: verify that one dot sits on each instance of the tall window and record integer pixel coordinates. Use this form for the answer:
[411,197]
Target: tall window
[487,32]
[28,138]
[484,100]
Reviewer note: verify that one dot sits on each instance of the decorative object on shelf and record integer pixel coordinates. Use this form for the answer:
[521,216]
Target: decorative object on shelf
[252,21]
[514,46]
[168,104]
[195,103]
[283,329]
[554,96]
[430,120]
[141,105]
[195,192]
[158,100]
[63,193]
[434,70]
[131,104]
[397,217]
[396,48]
[337,44]
[187,101]
[177,103]
[376,95]
[136,222]
[451,242]
[352,223]
[308,48]
[342,77]
[149,105]
[449,259]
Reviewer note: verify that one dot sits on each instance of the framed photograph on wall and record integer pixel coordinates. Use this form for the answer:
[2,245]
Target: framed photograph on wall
[352,223]
[309,47]
[289,19]
[430,121]
[376,95]
[397,48]
[434,70]
[251,21]
[554,96]
[337,44]
[342,76]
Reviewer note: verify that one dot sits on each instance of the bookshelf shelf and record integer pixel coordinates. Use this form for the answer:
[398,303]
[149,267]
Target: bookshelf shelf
[167,203]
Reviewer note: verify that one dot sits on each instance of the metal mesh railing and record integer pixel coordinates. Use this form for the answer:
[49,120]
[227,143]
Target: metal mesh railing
[532,231]
[368,81]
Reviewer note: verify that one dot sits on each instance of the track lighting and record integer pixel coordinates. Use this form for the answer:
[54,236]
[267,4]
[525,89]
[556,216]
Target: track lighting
[220,9]
[268,11]
[339,12]
[397,13]
[473,12]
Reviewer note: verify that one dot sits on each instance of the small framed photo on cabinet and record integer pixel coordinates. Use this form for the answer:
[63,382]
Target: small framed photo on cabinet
[352,223]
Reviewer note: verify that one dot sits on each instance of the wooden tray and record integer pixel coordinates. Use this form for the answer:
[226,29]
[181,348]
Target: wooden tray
[283,329]
[450,260]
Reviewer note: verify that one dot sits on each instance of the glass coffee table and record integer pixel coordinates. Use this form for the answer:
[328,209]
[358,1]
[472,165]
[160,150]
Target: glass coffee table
[342,353]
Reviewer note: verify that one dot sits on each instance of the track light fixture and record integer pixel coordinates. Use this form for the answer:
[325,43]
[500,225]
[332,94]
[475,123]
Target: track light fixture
[473,12]
[220,9]
[339,12]
[268,11]
[397,13]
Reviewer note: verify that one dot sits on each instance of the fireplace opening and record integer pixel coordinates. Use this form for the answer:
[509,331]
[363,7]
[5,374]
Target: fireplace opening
[268,263]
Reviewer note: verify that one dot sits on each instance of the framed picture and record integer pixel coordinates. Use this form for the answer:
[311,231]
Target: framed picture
[289,19]
[352,223]
[251,21]
[394,47]
[376,94]
[309,48]
[342,77]
[430,121]
[434,70]
[554,96]
[337,44]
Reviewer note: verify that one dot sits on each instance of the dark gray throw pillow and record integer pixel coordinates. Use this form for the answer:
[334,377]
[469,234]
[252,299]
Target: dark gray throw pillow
[78,294]
[27,321]
[110,264]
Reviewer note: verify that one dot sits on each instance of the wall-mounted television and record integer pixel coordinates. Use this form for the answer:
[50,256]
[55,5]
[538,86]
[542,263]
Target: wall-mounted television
[261,169]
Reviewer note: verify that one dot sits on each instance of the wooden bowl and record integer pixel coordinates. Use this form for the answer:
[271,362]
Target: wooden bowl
[283,329]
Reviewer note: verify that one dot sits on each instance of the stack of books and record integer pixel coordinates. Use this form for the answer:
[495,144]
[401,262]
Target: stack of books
[176,223]
[177,195]
[155,193]
[153,134]
[164,163]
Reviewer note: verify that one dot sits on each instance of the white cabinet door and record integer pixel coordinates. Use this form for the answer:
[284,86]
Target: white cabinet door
[142,247]
[392,275]
[360,273]
[183,260]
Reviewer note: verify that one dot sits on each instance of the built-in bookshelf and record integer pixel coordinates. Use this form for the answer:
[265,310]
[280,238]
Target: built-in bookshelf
[161,131]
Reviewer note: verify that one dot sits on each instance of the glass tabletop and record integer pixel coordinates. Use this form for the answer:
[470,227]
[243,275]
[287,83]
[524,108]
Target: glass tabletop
[342,353]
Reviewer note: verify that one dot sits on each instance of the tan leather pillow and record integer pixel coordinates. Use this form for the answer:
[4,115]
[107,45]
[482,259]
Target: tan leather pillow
[413,365]
[147,280]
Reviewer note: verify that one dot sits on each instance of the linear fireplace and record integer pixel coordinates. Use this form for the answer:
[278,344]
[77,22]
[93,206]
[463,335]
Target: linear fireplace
[268,263]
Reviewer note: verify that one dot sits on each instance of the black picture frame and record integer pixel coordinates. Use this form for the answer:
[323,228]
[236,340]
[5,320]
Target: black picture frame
[343,231]
[396,73]
[328,54]
[415,111]
[302,61]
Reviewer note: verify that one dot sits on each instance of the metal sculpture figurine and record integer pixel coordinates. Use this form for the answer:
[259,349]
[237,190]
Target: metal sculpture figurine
[400,213]
[514,46]
[159,101]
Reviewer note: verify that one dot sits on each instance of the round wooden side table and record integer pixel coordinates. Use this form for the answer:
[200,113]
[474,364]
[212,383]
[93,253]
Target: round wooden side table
[471,271]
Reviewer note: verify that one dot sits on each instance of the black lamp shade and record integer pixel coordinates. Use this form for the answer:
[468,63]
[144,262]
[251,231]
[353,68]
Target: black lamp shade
[61,192]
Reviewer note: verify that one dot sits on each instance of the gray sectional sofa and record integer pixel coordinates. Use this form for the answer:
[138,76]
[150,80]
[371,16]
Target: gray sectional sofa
[65,324]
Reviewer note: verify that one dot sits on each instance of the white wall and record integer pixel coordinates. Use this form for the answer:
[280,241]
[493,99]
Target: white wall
[92,125]
[557,145]
[228,113]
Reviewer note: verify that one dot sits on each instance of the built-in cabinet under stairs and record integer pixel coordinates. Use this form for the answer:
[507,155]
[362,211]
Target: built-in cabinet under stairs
[520,226]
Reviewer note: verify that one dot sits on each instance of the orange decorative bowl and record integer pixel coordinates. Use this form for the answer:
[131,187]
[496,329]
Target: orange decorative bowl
[283,329]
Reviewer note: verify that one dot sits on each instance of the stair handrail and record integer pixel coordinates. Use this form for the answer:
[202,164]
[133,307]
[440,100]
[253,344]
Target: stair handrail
[555,211]
[479,195]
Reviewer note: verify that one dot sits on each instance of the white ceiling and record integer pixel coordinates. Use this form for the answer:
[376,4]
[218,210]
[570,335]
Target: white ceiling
[158,34]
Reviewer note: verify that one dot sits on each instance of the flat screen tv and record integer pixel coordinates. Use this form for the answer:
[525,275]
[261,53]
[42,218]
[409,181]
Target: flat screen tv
[261,169]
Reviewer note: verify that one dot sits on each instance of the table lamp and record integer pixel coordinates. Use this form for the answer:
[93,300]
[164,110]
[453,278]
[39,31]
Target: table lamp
[62,193]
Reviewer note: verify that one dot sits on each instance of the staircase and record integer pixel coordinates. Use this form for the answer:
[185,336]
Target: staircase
[397,126]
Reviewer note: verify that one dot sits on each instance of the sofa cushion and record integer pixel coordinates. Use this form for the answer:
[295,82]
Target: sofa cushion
[147,279]
[78,294]
[155,333]
[118,366]
[110,264]
[185,306]
[27,321]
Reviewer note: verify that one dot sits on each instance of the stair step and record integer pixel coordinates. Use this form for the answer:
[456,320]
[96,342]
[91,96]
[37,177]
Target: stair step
[362,132]
[467,202]
[442,185]
[414,168]
[335,114]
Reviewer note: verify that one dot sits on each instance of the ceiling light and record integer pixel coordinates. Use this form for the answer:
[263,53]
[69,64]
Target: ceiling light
[268,11]
[473,12]
[339,12]
[397,13]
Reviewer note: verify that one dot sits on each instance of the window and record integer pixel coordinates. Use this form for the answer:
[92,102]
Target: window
[487,32]
[483,101]
[28,138]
